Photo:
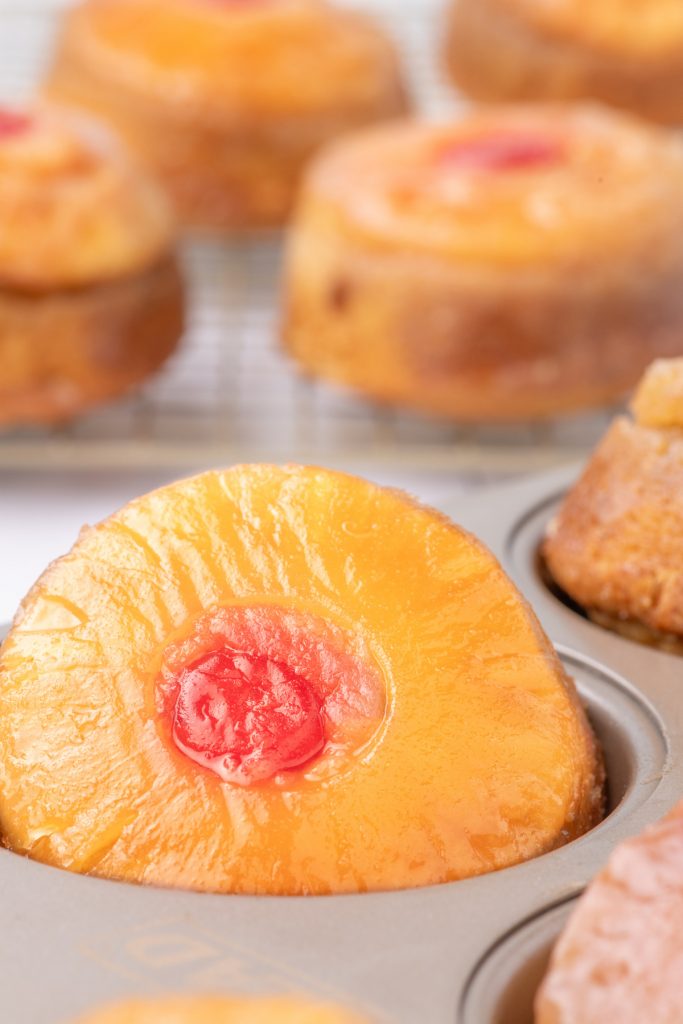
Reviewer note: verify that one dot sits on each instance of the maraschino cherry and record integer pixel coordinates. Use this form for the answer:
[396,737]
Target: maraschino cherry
[502,151]
[13,123]
[246,717]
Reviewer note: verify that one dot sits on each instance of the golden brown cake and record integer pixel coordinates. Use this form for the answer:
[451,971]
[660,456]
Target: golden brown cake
[514,265]
[616,545]
[220,1010]
[226,100]
[90,295]
[627,53]
[245,682]
[620,959]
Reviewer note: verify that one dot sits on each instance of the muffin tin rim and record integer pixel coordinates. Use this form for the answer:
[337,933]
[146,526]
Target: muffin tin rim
[484,981]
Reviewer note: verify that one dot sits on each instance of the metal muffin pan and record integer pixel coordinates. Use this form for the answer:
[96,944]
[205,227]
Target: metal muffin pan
[512,521]
[469,952]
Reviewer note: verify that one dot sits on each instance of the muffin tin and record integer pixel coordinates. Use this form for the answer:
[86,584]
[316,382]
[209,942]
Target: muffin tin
[470,952]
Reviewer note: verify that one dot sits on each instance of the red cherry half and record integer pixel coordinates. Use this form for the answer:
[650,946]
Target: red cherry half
[13,123]
[245,717]
[503,151]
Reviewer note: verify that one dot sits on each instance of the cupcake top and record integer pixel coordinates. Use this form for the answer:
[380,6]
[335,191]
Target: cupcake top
[238,58]
[648,29]
[73,210]
[267,661]
[507,186]
[220,1010]
[658,402]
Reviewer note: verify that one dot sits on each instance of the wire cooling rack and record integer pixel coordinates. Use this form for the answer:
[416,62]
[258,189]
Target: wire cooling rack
[230,394]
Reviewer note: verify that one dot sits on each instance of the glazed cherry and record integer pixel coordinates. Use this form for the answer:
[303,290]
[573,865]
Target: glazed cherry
[13,123]
[503,151]
[245,717]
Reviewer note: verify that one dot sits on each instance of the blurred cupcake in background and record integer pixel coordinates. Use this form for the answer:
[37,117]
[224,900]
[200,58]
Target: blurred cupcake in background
[226,100]
[516,264]
[627,53]
[91,300]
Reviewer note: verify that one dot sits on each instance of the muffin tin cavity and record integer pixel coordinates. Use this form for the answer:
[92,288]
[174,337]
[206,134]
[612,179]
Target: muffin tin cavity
[503,986]
[628,730]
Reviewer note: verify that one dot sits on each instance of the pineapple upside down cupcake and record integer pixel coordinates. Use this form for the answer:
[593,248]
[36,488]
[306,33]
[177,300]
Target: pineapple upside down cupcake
[90,294]
[616,545]
[514,265]
[226,100]
[621,955]
[287,681]
[220,1010]
[627,53]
